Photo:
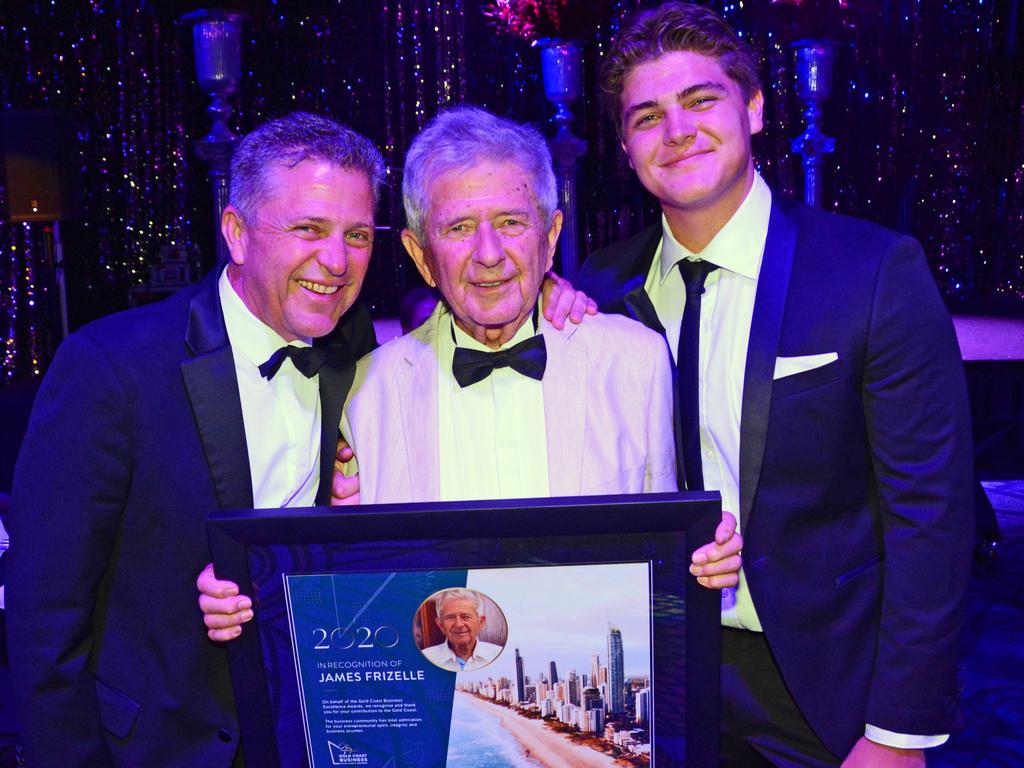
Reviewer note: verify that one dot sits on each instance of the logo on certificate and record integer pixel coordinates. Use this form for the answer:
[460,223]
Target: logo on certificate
[344,754]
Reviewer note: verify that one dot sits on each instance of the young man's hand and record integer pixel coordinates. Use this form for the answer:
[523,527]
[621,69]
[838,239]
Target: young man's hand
[717,564]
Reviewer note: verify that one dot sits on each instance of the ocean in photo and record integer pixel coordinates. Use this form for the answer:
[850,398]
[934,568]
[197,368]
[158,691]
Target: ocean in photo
[477,740]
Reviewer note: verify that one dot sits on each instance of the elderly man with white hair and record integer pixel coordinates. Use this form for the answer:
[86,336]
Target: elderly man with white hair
[460,618]
[486,399]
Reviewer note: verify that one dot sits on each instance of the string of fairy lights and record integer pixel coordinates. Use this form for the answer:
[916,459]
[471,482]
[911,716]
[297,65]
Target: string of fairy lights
[927,108]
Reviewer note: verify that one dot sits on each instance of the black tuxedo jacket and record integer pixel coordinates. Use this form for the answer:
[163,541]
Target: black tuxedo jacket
[135,436]
[855,477]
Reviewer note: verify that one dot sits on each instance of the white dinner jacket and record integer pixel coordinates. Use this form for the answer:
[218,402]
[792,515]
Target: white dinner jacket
[607,405]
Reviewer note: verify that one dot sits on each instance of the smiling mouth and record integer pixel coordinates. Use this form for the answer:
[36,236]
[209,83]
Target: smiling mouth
[320,288]
[681,160]
[488,284]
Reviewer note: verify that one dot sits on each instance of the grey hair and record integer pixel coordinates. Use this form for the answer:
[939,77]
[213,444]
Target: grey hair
[459,138]
[457,594]
[288,141]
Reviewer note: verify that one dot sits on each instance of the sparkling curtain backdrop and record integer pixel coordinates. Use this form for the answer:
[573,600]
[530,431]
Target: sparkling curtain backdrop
[927,109]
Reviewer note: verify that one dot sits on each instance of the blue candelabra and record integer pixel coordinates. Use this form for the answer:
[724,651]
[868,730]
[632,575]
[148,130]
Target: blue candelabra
[814,60]
[561,65]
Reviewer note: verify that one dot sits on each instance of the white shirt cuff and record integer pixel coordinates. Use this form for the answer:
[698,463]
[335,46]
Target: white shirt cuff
[903,740]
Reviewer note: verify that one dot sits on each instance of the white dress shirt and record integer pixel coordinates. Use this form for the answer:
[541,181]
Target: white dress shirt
[726,311]
[492,435]
[443,656]
[281,416]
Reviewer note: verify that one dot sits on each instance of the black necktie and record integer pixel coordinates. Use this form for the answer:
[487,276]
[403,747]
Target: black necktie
[527,357]
[307,360]
[688,364]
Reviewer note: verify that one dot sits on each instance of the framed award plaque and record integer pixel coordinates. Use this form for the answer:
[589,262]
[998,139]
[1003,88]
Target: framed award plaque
[528,632]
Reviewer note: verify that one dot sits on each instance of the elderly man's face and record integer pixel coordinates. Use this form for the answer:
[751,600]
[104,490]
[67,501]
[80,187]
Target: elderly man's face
[460,623]
[487,247]
[300,263]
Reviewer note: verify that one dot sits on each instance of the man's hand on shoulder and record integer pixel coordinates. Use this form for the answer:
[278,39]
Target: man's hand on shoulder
[559,300]
[344,488]
[869,754]
[717,564]
[224,610]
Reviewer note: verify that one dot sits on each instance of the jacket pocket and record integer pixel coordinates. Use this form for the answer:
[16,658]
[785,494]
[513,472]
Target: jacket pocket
[816,377]
[859,570]
[118,711]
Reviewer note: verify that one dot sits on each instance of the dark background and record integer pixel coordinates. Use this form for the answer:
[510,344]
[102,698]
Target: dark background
[927,110]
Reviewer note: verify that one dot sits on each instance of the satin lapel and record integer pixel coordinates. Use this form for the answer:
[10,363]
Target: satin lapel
[642,309]
[765,330]
[635,298]
[335,379]
[212,387]
[565,408]
[417,390]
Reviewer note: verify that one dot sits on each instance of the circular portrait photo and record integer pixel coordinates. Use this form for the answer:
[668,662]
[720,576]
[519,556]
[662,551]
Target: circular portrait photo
[460,629]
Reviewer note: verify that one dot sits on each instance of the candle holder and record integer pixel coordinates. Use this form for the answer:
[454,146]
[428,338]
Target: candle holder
[217,44]
[561,66]
[814,59]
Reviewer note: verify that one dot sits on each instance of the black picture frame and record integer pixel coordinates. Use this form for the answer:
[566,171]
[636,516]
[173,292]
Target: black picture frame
[256,548]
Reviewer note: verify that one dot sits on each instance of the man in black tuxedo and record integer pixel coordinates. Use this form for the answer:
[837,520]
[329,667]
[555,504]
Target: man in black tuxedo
[821,391]
[151,418]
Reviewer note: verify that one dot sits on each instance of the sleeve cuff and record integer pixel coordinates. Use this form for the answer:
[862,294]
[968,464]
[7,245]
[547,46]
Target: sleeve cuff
[903,740]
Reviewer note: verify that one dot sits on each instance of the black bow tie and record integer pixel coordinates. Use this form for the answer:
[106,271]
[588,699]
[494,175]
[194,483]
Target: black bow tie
[527,357]
[307,360]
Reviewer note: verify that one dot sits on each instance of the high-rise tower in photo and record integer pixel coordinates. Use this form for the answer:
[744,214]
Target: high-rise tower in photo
[643,707]
[616,674]
[520,680]
[552,673]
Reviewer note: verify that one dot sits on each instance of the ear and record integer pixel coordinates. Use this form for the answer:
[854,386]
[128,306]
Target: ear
[755,112]
[418,254]
[622,144]
[233,230]
[556,228]
[483,622]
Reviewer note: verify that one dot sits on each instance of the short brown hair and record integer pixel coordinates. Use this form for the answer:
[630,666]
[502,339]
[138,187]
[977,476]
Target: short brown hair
[674,26]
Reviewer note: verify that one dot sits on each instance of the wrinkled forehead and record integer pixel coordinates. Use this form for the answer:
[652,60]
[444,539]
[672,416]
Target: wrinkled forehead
[482,183]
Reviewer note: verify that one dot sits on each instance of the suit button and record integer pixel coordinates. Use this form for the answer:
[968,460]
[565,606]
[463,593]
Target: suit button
[225,735]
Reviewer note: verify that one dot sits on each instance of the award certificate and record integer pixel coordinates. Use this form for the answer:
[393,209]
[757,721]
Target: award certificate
[480,635]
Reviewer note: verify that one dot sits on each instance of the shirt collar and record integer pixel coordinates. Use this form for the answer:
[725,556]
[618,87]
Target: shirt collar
[738,246]
[451,658]
[249,335]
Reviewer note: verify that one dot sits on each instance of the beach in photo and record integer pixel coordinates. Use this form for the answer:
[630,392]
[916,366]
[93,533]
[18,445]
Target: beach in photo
[540,745]
[576,667]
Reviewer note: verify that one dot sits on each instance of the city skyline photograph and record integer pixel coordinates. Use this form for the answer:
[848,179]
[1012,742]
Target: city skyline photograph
[562,614]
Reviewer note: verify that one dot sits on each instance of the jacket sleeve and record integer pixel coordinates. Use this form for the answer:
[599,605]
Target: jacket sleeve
[918,427]
[71,482]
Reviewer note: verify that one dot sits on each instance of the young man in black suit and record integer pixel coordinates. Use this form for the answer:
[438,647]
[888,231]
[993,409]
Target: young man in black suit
[820,389]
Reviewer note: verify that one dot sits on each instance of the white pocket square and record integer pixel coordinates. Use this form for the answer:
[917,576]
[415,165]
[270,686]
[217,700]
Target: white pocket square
[787,366]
